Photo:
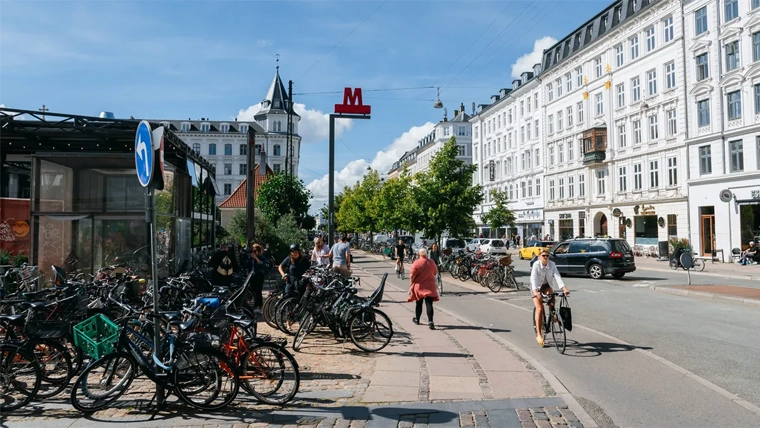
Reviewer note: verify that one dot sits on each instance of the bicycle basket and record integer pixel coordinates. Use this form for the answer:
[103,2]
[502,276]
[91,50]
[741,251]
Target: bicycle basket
[447,251]
[506,260]
[96,335]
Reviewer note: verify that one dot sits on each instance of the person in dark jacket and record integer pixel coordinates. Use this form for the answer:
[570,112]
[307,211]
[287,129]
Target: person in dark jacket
[259,274]
[224,265]
[293,268]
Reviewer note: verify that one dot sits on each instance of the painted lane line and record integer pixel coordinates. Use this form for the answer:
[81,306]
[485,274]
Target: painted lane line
[702,381]
[589,291]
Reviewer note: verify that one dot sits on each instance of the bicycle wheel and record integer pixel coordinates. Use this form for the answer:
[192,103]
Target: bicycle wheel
[306,327]
[558,332]
[284,314]
[268,310]
[55,365]
[439,283]
[699,265]
[205,379]
[674,264]
[270,374]
[103,382]
[492,281]
[370,329]
[20,377]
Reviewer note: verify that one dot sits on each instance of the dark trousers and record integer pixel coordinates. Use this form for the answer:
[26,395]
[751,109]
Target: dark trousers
[258,288]
[428,305]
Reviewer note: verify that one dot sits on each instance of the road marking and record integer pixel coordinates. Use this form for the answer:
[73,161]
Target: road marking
[715,388]
[589,291]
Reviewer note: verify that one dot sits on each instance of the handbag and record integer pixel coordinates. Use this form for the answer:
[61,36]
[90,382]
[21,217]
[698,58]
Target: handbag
[566,315]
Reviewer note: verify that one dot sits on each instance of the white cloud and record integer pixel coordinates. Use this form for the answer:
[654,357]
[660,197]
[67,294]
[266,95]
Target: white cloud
[313,127]
[382,162]
[527,61]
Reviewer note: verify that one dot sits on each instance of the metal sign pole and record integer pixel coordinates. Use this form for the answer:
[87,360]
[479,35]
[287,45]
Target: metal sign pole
[151,220]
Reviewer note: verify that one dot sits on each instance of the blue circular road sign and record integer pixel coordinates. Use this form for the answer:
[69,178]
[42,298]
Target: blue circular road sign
[144,153]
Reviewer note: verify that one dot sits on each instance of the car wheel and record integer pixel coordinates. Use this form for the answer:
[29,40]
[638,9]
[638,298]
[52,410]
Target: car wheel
[618,275]
[596,271]
[519,254]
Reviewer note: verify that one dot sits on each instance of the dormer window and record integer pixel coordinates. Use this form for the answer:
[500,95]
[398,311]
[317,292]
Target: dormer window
[225,128]
[166,125]
[185,127]
[243,129]
[276,103]
[589,32]
[577,40]
[205,127]
[618,14]
[603,26]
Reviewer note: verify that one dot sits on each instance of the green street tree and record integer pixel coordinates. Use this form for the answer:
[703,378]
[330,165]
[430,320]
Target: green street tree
[325,211]
[446,196]
[282,194]
[499,215]
[397,205]
[359,210]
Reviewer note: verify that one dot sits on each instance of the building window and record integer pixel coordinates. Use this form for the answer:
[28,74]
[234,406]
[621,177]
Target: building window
[757,151]
[705,160]
[551,190]
[228,149]
[579,77]
[672,171]
[732,10]
[522,162]
[581,185]
[535,101]
[185,127]
[212,149]
[197,148]
[670,75]
[530,188]
[619,55]
[652,82]
[668,24]
[732,55]
[243,150]
[736,148]
[621,135]
[598,66]
[227,189]
[599,105]
[703,113]
[654,129]
[636,132]
[205,127]
[243,129]
[522,189]
[446,130]
[622,180]
[243,170]
[462,132]
[568,83]
[277,150]
[634,47]
[734,105]
[600,182]
[538,158]
[561,186]
[551,155]
[228,169]
[225,128]
[703,68]
[570,187]
[561,153]
[654,174]
[672,226]
[756,46]
[460,150]
[635,89]
[538,187]
[755,4]
[535,129]
[550,121]
[559,121]
[580,112]
[527,129]
[522,134]
[672,123]
[569,117]
[650,39]
[700,21]
[550,91]
[620,95]
[559,89]
[637,177]
[570,151]
[277,168]
[522,107]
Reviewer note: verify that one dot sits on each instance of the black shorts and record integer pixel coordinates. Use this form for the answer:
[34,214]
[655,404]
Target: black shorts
[400,259]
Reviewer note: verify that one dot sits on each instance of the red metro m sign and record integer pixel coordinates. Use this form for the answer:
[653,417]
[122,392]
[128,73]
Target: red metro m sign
[352,103]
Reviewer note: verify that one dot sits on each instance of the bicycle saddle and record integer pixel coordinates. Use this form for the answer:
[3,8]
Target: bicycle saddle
[184,325]
[243,323]
[17,319]
[33,305]
[171,316]
[234,317]
[32,295]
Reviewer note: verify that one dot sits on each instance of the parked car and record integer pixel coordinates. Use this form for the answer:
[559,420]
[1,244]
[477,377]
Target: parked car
[493,246]
[595,257]
[474,244]
[534,248]
[453,243]
[408,240]
[380,238]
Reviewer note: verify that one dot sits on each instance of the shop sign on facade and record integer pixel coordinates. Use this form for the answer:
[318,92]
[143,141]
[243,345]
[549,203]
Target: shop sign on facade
[755,194]
[647,210]
[565,216]
[582,215]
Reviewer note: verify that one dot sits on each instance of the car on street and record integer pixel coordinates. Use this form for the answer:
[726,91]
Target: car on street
[453,243]
[493,246]
[534,248]
[474,244]
[595,257]
[408,240]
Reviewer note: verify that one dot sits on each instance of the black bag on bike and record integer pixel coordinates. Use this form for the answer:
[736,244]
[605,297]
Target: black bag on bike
[567,317]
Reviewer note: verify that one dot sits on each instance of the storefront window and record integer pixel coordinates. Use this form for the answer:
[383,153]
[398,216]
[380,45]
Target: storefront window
[566,229]
[750,224]
[672,226]
[64,241]
[55,188]
[645,228]
[582,227]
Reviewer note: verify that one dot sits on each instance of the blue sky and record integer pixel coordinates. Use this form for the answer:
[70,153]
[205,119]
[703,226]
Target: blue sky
[193,59]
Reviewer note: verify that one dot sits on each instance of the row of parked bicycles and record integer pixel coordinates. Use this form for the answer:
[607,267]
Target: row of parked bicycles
[491,271]
[96,337]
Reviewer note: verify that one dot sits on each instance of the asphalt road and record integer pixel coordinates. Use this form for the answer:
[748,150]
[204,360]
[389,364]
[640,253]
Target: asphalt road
[636,357]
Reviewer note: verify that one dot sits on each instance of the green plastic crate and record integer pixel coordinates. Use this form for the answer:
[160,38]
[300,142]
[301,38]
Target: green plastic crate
[96,335]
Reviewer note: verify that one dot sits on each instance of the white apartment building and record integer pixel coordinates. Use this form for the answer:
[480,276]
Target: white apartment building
[723,77]
[225,143]
[507,148]
[615,108]
[419,158]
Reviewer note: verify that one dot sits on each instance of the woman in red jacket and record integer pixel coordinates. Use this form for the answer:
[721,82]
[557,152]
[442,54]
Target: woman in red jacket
[423,287]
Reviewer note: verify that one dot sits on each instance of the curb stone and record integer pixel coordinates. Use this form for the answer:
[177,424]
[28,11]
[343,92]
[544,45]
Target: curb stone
[705,295]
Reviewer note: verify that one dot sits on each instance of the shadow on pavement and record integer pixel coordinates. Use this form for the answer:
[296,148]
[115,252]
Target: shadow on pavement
[468,327]
[595,349]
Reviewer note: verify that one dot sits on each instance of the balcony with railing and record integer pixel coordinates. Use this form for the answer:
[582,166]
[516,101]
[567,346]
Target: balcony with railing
[594,145]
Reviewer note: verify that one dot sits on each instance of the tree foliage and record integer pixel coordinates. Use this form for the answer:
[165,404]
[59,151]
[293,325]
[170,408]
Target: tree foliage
[278,237]
[359,208]
[446,196]
[499,215]
[397,205]
[282,194]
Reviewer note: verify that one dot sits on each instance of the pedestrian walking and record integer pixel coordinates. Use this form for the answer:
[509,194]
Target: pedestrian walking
[259,274]
[435,254]
[341,256]
[320,254]
[423,287]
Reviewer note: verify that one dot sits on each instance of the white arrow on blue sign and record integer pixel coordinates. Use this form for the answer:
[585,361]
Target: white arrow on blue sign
[144,153]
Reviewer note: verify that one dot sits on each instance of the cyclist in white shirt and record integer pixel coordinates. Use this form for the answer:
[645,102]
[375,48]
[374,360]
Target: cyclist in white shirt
[542,275]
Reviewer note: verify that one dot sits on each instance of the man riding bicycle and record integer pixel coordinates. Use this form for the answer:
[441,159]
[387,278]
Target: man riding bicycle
[400,251]
[544,272]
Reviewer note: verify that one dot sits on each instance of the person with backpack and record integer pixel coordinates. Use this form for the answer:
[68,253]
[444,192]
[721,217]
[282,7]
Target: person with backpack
[224,265]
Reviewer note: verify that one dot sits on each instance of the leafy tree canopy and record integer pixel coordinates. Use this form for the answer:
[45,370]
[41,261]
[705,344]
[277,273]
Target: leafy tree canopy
[282,194]
[499,215]
[397,205]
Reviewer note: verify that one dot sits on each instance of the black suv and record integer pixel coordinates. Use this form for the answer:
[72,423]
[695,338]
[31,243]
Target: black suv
[596,257]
